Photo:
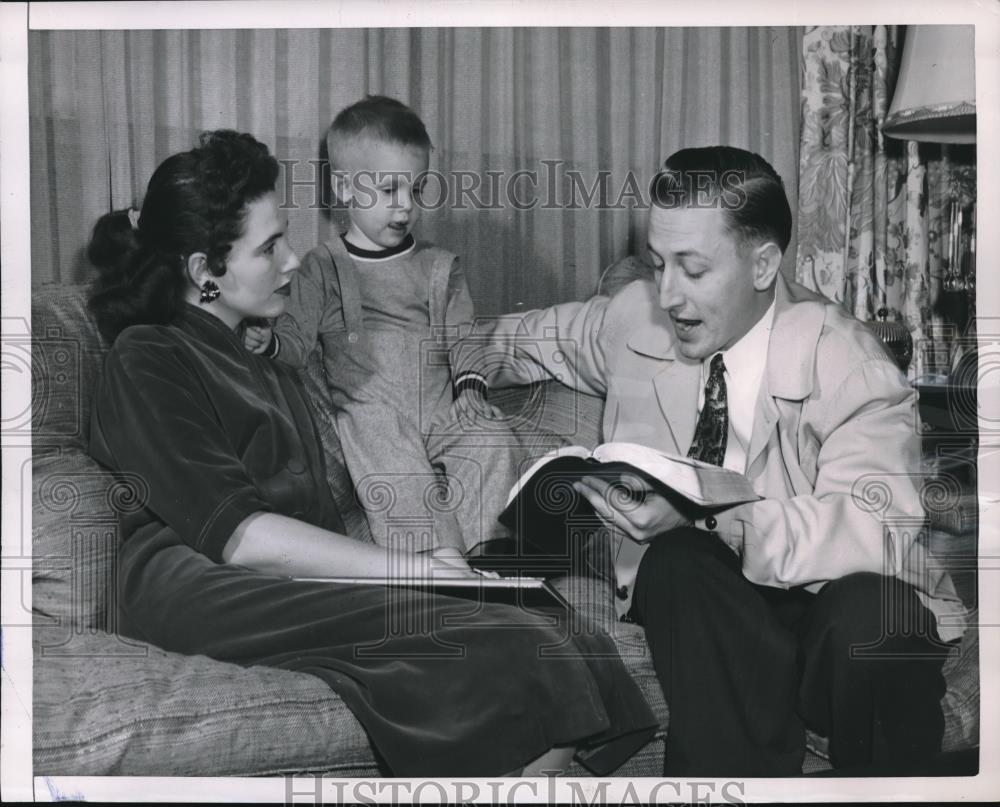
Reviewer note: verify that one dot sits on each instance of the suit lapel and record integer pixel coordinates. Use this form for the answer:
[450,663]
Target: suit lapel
[675,384]
[764,420]
[677,387]
[791,359]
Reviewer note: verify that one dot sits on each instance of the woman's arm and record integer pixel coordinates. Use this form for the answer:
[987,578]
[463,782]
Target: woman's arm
[153,417]
[276,544]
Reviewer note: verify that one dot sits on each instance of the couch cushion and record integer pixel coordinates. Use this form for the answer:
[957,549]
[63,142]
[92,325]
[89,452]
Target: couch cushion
[961,701]
[75,538]
[107,706]
[67,352]
[622,272]
[548,415]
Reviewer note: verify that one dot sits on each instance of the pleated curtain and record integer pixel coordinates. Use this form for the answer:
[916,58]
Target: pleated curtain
[107,106]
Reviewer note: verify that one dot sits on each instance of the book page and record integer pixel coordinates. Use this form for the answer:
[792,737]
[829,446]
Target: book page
[699,481]
[677,473]
[563,451]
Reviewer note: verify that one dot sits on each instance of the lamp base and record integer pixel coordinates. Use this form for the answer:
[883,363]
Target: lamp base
[895,336]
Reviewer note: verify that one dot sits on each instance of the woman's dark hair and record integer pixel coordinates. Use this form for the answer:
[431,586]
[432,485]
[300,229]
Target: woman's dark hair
[196,202]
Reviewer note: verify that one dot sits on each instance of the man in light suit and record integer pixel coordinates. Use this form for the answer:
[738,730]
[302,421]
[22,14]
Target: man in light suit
[815,605]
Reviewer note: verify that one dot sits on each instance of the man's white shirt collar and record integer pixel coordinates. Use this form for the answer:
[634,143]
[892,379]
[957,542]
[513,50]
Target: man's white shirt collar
[745,362]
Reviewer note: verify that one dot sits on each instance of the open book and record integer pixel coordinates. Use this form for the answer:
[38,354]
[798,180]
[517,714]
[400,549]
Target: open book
[543,499]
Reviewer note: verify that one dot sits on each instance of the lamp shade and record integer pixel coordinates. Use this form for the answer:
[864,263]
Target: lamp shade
[935,98]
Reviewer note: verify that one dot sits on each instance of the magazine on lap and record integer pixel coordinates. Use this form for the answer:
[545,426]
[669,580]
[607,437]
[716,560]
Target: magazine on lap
[523,591]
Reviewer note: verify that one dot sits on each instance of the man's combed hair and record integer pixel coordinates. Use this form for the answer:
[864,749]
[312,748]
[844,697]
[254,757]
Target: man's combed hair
[376,118]
[741,183]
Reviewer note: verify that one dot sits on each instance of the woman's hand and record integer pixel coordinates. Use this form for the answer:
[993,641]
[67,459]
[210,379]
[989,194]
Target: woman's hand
[447,561]
[632,506]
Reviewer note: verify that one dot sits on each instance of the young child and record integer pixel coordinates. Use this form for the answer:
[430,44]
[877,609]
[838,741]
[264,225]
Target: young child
[387,310]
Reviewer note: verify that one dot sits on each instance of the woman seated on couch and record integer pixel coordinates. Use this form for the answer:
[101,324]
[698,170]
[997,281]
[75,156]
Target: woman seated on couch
[238,503]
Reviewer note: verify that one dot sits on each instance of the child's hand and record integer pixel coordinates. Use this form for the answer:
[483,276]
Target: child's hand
[257,338]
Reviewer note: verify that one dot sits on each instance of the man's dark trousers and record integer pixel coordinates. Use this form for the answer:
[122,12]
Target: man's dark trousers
[744,667]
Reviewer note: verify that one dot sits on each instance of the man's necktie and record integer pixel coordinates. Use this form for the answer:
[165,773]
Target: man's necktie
[709,444]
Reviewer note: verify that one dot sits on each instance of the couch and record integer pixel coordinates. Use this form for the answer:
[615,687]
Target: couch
[106,705]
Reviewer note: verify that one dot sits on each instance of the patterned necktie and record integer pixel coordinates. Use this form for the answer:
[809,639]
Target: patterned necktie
[709,444]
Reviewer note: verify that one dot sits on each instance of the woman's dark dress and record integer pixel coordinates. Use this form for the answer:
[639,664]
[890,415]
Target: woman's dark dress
[218,434]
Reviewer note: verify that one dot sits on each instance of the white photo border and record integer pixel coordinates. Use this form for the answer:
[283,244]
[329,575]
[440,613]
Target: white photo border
[16,774]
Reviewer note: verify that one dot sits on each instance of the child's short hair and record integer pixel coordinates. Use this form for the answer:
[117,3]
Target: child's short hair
[379,118]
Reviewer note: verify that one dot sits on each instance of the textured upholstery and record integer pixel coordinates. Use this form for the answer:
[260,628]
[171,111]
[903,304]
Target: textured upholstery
[66,355]
[116,707]
[619,274]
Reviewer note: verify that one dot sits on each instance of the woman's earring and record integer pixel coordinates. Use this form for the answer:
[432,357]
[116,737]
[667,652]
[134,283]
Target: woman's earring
[209,292]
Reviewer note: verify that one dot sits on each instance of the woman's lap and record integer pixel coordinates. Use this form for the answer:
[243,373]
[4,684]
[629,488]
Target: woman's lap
[443,685]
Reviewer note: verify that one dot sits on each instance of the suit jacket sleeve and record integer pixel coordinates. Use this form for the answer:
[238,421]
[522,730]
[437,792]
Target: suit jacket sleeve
[459,311]
[865,510]
[565,342]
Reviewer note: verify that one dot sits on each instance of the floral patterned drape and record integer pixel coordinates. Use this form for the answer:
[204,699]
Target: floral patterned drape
[873,211]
